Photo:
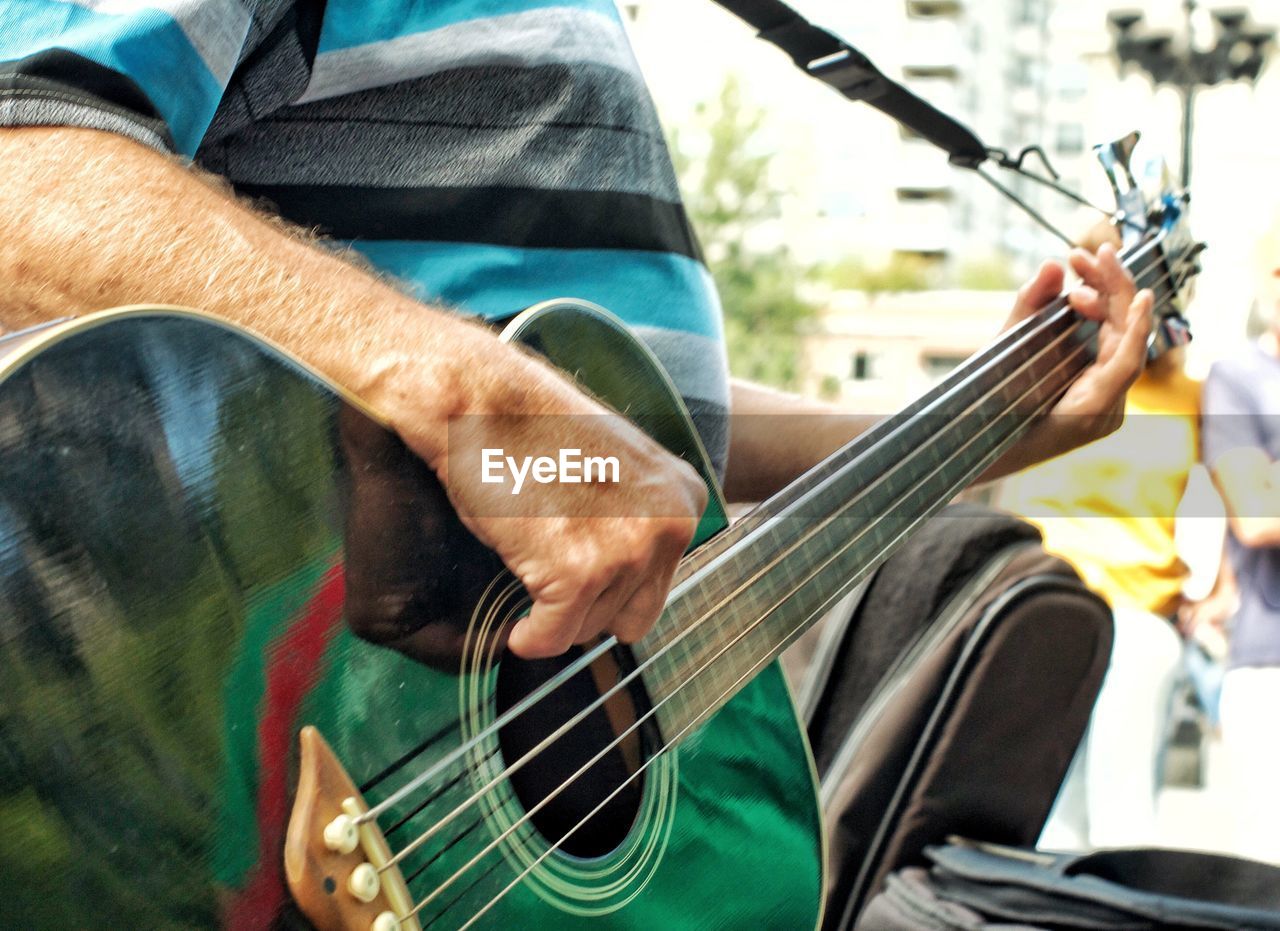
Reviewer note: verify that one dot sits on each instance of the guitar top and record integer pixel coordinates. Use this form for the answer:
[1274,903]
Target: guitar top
[192,573]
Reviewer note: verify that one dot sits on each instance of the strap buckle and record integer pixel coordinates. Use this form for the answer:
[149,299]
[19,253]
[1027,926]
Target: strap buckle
[850,72]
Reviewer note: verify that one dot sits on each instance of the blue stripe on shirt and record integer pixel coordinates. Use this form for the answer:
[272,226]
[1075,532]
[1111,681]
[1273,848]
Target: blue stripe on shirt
[148,46]
[348,25]
[498,281]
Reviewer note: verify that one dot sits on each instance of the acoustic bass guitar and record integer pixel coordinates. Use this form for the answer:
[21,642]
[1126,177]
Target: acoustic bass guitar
[249,654]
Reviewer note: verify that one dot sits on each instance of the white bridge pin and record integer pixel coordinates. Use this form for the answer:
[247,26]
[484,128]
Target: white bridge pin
[364,884]
[341,834]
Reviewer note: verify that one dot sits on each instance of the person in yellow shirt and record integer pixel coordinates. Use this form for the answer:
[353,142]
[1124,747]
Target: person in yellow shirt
[1108,509]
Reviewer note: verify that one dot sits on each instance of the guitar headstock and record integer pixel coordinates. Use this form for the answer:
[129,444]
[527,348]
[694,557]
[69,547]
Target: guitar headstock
[1158,250]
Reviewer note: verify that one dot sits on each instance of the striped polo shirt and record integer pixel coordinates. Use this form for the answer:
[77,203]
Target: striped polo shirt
[489,153]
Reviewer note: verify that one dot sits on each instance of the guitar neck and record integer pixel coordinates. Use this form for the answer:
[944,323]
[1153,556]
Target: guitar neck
[760,585]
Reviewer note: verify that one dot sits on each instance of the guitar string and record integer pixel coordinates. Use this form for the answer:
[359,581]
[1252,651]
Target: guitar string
[640,668]
[990,456]
[1035,330]
[461,895]
[434,796]
[635,673]
[994,452]
[581,664]
[426,864]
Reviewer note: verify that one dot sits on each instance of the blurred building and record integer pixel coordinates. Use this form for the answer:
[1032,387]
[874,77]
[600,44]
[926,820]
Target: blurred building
[874,353]
[1018,72]
[856,181]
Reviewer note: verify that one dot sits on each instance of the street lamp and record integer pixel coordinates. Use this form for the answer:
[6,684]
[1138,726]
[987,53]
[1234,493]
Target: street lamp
[1238,53]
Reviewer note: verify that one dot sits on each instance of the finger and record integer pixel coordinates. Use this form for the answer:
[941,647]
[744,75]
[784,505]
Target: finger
[641,611]
[554,621]
[1086,301]
[647,603]
[1106,276]
[1134,333]
[1116,279]
[1043,287]
[610,607]
[1125,364]
[1084,264]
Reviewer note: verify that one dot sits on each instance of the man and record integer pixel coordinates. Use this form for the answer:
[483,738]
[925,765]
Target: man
[1241,449]
[489,155]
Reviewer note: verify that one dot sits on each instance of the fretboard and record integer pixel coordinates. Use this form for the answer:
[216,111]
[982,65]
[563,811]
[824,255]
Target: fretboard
[747,595]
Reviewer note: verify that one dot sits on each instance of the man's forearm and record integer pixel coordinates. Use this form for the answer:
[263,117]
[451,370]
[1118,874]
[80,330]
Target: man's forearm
[94,221]
[774,438]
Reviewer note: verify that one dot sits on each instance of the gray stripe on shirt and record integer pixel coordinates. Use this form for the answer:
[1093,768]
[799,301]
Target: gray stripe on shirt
[543,155]
[695,363]
[499,96]
[37,108]
[554,35]
[216,29]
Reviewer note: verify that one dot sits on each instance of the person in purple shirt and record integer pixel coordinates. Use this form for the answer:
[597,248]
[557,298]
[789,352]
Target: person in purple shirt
[1241,437]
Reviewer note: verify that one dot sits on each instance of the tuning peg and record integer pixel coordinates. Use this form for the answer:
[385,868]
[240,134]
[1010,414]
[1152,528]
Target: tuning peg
[1117,159]
[1132,214]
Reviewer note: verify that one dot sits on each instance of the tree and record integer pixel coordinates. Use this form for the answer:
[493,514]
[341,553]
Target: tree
[731,201]
[899,273]
[992,273]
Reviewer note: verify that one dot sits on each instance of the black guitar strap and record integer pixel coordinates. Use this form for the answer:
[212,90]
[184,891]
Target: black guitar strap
[836,63]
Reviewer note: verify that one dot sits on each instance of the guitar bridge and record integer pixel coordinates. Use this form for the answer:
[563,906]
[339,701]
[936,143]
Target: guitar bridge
[338,867]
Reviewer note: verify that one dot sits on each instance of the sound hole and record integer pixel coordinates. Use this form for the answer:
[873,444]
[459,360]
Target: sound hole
[551,776]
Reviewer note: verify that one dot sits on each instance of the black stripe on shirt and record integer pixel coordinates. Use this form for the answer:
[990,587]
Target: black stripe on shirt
[58,74]
[523,217]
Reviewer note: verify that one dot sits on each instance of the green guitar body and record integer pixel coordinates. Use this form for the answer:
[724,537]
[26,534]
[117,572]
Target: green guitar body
[204,548]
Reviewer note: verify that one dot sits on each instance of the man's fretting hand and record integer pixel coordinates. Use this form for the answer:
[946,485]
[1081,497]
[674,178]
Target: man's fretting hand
[1094,404]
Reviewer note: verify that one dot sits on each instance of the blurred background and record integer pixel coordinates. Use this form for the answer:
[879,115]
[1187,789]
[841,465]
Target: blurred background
[856,265]
[897,252]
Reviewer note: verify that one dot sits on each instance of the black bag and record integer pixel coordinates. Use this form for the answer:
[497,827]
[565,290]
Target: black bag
[949,700]
[983,887]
